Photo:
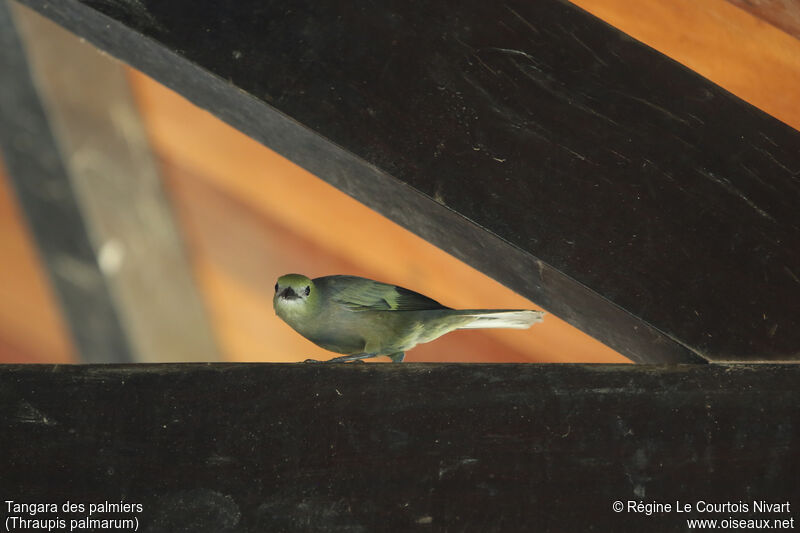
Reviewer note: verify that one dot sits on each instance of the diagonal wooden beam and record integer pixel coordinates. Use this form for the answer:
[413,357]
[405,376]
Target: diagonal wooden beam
[621,191]
[118,194]
[33,160]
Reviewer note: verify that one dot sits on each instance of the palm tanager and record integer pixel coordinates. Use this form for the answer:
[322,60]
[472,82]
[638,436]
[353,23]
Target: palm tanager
[362,318]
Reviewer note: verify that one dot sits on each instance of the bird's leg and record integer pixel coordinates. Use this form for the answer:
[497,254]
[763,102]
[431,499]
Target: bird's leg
[352,357]
[359,358]
[343,359]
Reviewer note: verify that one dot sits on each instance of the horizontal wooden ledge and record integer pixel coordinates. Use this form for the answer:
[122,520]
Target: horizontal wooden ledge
[497,447]
[665,375]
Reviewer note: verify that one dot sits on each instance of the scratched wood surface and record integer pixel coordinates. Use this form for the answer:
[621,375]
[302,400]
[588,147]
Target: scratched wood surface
[360,448]
[671,179]
[734,48]
[729,47]
[720,40]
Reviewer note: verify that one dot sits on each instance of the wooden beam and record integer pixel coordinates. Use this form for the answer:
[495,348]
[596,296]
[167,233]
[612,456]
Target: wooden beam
[281,447]
[621,191]
[33,161]
[118,192]
[730,46]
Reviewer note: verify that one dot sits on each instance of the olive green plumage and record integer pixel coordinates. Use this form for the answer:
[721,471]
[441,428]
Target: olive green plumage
[363,318]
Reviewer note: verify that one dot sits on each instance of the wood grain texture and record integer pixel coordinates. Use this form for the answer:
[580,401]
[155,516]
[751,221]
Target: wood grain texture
[31,327]
[250,216]
[641,202]
[735,49]
[412,447]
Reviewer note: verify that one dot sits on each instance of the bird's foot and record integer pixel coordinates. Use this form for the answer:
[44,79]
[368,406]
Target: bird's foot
[353,358]
[397,357]
[358,358]
[335,360]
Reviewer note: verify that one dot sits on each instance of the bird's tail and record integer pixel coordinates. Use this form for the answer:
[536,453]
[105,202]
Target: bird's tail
[496,318]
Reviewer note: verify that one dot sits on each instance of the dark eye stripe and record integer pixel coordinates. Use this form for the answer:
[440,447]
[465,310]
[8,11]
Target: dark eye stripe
[308,290]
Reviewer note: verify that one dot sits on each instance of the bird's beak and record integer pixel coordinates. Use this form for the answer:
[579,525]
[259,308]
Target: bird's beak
[288,294]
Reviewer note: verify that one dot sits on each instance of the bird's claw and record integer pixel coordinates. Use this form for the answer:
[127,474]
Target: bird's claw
[334,360]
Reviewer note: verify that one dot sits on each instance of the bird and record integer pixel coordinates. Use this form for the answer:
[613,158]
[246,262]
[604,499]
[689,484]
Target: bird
[362,318]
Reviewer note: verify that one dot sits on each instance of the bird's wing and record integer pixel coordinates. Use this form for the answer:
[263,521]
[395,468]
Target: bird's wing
[361,294]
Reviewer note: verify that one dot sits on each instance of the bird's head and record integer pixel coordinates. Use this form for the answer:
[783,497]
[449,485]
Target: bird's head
[294,294]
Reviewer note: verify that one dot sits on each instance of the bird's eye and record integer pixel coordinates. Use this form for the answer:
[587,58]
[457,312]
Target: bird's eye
[308,290]
[276,287]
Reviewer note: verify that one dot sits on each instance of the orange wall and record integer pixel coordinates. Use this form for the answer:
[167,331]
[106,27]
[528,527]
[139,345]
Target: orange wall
[31,326]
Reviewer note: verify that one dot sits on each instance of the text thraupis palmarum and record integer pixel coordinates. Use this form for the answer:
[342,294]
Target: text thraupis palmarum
[362,318]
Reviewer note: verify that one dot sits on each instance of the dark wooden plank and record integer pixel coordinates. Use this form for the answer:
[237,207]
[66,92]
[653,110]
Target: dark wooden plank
[39,175]
[621,191]
[402,447]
